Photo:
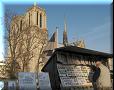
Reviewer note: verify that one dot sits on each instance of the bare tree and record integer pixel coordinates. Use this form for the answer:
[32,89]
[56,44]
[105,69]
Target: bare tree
[12,40]
[22,44]
[34,40]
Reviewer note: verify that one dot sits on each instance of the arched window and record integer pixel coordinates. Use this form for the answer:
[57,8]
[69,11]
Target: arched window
[21,25]
[29,19]
[40,20]
[37,18]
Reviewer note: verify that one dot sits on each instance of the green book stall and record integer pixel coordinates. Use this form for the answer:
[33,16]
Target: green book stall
[69,67]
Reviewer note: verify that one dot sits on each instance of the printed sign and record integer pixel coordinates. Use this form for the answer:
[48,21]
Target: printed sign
[44,81]
[27,81]
[11,85]
[71,75]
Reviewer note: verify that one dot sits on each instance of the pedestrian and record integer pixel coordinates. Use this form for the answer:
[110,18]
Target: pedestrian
[101,77]
[93,71]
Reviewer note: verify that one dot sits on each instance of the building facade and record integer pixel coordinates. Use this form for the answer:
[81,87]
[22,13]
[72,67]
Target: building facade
[28,37]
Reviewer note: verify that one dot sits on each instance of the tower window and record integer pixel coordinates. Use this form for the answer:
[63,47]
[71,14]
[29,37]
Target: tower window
[40,20]
[29,19]
[37,18]
[21,25]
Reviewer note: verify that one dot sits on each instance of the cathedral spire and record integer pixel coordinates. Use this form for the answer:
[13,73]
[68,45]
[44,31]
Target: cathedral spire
[65,40]
[57,36]
[34,3]
[65,25]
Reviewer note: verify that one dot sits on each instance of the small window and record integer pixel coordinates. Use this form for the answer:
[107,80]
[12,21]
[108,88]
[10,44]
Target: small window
[40,20]
[29,19]
[21,25]
[37,18]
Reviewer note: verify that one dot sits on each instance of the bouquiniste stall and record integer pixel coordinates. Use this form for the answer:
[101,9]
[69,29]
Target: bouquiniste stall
[70,67]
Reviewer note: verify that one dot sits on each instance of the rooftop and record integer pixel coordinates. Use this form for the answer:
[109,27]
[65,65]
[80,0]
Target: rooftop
[78,50]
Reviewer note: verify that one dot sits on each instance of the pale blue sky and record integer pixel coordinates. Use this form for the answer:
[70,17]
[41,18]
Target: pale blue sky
[86,20]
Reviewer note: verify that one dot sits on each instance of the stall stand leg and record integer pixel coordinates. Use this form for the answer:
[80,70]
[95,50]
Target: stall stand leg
[85,88]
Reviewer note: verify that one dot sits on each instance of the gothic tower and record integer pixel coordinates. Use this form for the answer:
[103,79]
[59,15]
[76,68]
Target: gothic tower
[36,16]
[32,38]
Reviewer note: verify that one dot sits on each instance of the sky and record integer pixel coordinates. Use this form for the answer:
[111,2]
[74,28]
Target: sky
[90,21]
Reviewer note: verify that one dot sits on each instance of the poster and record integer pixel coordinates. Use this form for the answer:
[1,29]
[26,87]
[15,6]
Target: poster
[44,81]
[11,85]
[72,75]
[27,81]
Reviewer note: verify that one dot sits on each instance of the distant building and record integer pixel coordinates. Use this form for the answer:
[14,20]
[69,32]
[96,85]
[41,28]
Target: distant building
[79,43]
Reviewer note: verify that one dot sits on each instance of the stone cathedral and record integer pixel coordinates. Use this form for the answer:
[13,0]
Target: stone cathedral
[29,37]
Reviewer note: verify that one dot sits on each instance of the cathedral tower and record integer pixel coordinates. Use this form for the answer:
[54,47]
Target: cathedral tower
[32,30]
[36,16]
